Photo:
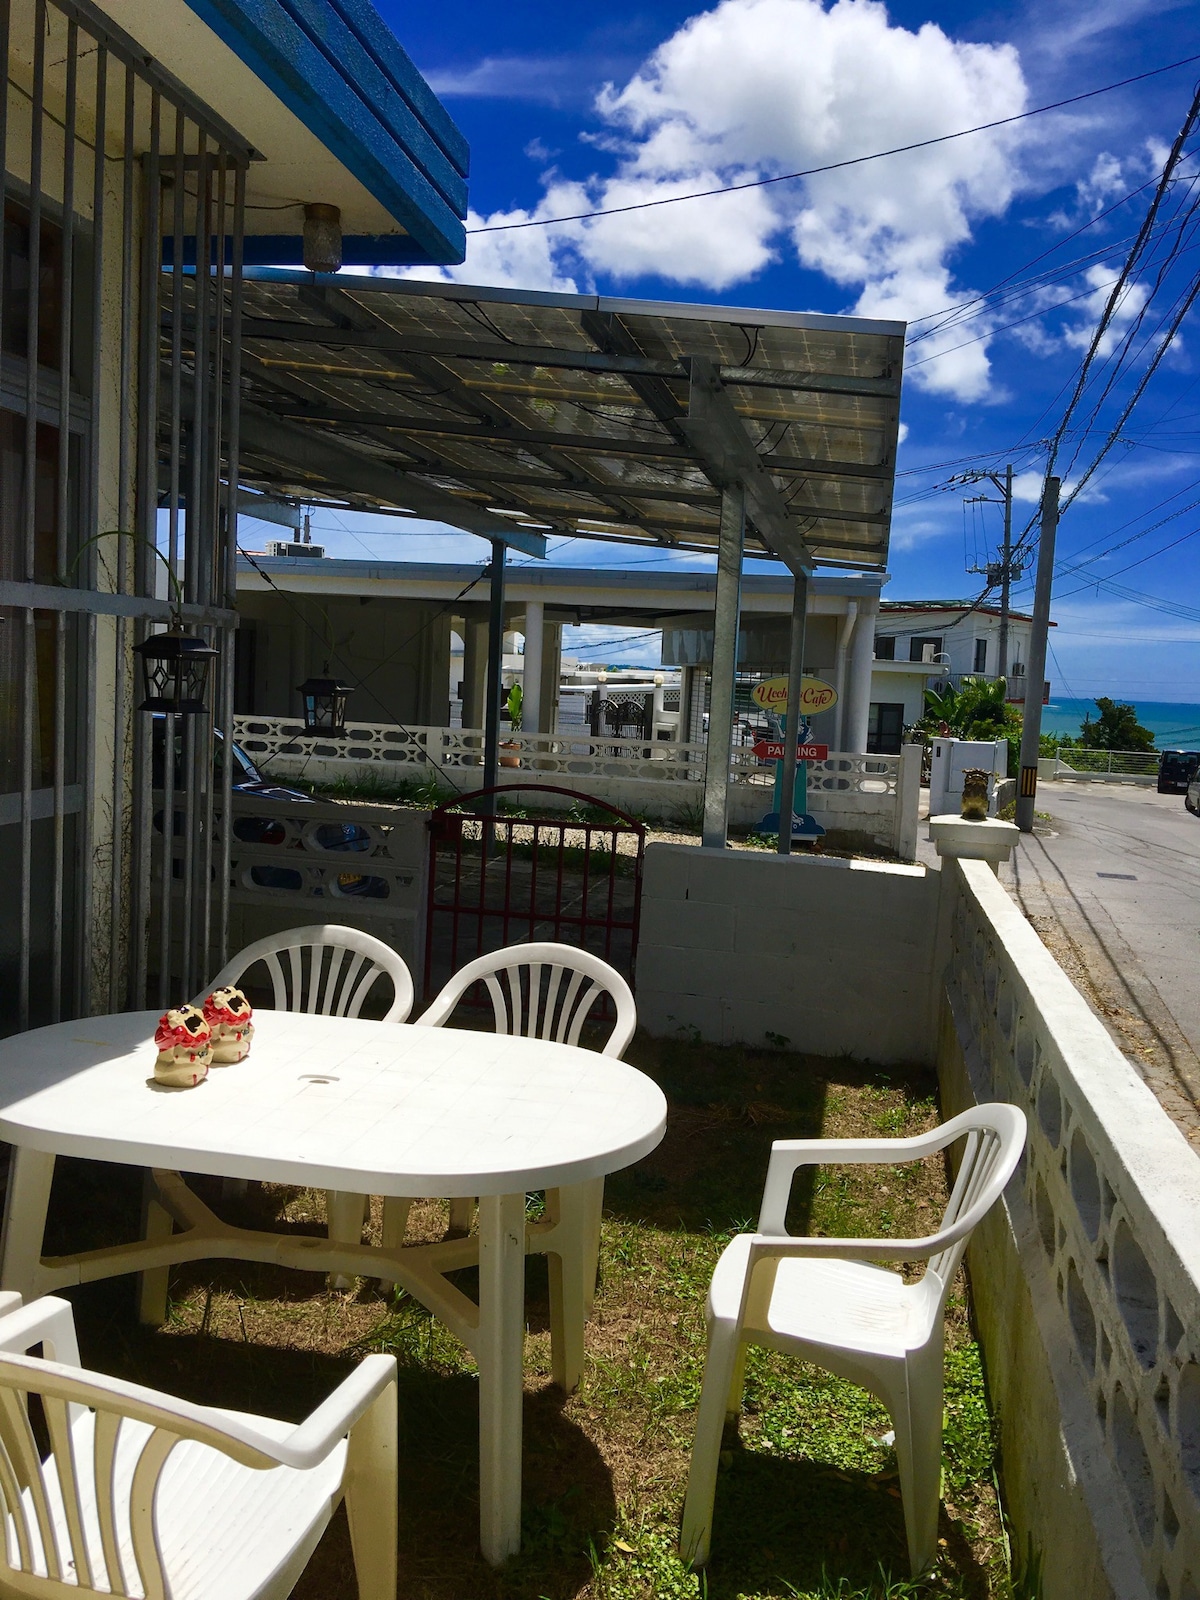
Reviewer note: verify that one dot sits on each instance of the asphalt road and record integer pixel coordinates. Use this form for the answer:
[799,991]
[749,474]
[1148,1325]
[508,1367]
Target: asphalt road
[1112,883]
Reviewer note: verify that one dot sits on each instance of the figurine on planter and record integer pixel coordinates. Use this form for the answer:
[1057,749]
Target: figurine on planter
[228,1014]
[184,1041]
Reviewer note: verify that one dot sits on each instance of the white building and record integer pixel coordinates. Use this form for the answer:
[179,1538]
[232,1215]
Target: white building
[417,642]
[958,636]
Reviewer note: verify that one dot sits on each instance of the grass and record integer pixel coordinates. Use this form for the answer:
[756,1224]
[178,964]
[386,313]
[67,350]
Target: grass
[688,819]
[807,1506]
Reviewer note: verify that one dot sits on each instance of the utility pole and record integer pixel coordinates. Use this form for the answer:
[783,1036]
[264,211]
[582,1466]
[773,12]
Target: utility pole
[1006,572]
[1035,673]
[1000,572]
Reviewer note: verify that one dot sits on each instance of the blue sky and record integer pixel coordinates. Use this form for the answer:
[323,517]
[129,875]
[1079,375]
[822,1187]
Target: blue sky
[567,107]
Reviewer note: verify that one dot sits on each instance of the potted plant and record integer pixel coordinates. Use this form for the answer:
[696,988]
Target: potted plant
[512,706]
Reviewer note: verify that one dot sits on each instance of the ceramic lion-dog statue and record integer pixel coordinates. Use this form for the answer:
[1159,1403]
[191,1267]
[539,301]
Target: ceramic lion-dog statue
[228,1014]
[184,1041]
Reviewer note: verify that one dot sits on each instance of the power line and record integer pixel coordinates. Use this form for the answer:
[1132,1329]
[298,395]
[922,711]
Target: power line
[1123,277]
[832,166]
[986,294]
[1043,282]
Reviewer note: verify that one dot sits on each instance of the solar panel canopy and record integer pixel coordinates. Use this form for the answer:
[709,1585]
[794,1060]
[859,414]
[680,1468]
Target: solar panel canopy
[520,415]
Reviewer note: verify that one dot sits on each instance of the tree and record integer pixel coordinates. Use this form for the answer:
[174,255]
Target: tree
[976,710]
[1116,728]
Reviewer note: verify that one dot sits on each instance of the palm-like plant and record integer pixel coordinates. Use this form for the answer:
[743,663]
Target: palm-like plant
[976,710]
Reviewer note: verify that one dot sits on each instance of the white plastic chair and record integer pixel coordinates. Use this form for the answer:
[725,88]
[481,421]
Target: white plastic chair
[821,1299]
[144,1494]
[334,988]
[538,1009]
[551,990]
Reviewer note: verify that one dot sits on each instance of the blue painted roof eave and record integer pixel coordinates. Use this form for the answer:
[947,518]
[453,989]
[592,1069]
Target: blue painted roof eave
[384,135]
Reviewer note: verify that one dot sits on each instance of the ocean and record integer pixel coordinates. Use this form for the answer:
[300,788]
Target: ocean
[1173,724]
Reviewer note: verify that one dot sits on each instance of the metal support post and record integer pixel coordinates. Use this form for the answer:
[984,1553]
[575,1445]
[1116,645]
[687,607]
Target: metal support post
[724,667]
[495,667]
[531,679]
[1031,732]
[787,798]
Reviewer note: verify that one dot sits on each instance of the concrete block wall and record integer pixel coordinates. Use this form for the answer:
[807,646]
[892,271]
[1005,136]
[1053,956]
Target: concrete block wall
[1086,1281]
[834,955]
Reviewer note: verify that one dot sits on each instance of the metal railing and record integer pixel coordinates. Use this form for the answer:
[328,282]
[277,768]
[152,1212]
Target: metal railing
[110,409]
[1113,763]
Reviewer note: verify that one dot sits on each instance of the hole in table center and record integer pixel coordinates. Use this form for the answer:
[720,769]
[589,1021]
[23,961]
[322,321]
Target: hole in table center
[317,1077]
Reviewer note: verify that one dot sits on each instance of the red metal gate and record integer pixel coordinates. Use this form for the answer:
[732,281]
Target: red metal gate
[501,873]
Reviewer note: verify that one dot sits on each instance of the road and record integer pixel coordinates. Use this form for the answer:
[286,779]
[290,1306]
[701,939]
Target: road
[1112,884]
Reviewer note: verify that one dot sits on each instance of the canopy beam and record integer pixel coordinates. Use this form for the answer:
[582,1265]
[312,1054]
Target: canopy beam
[716,433]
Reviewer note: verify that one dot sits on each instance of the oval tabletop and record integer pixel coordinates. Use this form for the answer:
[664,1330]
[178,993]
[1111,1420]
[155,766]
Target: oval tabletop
[335,1103]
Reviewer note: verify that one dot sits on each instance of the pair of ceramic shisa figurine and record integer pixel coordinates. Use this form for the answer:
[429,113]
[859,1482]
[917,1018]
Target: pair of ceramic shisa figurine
[190,1040]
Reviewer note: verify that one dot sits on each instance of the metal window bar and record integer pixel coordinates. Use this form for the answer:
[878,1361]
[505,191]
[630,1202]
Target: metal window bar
[87,364]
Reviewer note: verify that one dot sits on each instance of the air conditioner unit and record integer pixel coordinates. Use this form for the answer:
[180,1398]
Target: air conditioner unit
[293,547]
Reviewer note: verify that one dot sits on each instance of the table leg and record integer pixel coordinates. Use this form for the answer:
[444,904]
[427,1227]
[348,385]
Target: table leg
[157,1224]
[501,1359]
[25,1209]
[567,1266]
[593,1216]
[345,1213]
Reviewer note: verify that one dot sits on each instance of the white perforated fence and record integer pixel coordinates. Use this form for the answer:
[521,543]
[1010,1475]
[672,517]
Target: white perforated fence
[1106,1217]
[279,743]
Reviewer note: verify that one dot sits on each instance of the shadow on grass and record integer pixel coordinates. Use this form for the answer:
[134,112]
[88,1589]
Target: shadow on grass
[728,1105]
[783,1527]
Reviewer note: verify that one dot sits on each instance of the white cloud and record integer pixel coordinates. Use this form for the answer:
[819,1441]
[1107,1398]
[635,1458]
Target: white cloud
[613,645]
[756,88]
[1132,298]
[523,258]
[544,78]
[1106,182]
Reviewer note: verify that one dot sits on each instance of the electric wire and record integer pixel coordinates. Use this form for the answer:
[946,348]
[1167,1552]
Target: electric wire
[832,166]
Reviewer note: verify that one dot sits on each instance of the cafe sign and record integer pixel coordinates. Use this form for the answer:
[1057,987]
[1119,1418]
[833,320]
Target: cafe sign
[815,696]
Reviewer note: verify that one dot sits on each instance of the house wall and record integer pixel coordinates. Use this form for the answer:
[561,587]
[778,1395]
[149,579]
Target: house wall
[397,653]
[958,633]
[835,955]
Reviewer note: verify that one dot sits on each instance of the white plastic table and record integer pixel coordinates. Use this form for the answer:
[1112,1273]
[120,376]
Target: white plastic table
[356,1108]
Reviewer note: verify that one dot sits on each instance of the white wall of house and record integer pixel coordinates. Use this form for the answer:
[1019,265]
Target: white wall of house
[964,640]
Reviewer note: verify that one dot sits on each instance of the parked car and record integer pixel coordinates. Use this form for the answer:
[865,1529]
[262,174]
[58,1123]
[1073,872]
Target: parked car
[1192,798]
[1176,771]
[247,779]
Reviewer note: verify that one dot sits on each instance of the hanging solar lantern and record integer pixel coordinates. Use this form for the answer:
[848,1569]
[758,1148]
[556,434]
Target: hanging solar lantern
[175,671]
[324,706]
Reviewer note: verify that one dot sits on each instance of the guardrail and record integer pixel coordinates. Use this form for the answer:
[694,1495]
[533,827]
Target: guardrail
[1088,1291]
[1071,760]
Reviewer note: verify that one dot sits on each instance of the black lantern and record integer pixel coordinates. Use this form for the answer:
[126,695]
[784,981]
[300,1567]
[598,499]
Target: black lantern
[174,671]
[324,706]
